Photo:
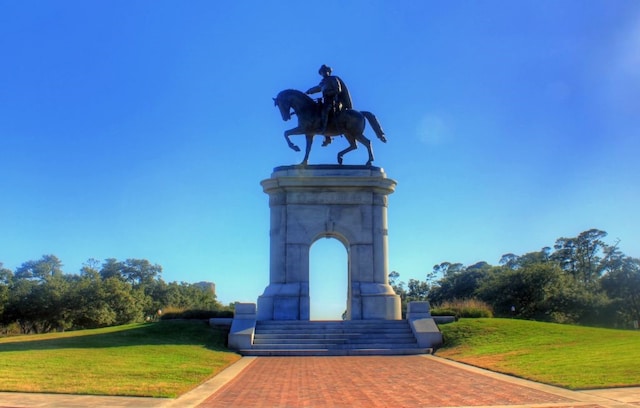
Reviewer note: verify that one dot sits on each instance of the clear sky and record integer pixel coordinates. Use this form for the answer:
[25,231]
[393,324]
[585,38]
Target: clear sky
[142,129]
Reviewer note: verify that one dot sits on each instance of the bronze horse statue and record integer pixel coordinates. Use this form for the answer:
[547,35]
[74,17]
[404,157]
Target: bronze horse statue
[347,122]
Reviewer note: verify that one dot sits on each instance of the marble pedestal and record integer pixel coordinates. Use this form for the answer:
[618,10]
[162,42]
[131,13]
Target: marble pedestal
[348,203]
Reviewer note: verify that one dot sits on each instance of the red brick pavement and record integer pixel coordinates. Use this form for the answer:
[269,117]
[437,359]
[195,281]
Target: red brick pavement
[376,381]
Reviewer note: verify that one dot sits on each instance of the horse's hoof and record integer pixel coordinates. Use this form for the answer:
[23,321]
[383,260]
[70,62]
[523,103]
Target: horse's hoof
[339,160]
[295,148]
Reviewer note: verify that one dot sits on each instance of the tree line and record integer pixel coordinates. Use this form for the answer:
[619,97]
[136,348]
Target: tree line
[580,280]
[38,297]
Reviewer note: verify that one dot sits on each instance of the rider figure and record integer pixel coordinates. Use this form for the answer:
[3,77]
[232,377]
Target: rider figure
[334,94]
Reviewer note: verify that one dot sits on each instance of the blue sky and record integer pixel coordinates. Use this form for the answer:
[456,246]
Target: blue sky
[142,129]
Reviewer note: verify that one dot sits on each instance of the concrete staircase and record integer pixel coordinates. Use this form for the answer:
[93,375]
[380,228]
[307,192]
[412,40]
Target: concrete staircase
[333,338]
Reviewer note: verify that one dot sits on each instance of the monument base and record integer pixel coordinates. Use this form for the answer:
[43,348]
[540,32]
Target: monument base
[348,203]
[284,301]
[290,301]
[372,301]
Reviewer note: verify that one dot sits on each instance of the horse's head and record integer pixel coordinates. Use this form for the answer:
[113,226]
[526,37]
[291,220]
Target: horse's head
[284,105]
[293,100]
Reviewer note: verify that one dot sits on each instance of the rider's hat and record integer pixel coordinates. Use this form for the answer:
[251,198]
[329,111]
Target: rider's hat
[324,68]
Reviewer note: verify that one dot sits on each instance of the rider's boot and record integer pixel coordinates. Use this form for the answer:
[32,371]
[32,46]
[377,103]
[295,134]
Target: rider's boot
[325,119]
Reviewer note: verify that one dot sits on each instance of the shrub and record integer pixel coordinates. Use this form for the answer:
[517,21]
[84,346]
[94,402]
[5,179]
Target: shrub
[441,311]
[463,308]
[11,329]
[173,313]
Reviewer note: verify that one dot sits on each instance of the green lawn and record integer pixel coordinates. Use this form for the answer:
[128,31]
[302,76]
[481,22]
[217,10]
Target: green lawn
[163,359]
[573,357]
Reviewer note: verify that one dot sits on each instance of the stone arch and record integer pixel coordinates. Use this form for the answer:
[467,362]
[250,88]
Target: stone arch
[345,202]
[337,234]
[329,278]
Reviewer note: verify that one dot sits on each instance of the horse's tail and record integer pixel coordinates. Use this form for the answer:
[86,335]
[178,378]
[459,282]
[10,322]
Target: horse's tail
[373,121]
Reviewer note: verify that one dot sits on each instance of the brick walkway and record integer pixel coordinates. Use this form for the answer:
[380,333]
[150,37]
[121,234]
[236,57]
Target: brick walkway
[405,381]
[398,382]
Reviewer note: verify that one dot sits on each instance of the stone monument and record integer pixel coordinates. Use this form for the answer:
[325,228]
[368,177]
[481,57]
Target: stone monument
[348,203]
[345,202]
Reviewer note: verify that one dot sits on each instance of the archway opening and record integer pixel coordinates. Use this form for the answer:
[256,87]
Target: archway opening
[328,279]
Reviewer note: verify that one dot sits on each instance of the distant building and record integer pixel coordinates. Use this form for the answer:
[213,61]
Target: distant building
[207,286]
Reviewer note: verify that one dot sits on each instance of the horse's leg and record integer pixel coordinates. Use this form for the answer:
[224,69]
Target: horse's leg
[287,133]
[365,141]
[309,138]
[352,146]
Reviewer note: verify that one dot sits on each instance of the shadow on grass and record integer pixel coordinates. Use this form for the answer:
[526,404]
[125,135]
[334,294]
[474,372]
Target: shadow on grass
[183,332]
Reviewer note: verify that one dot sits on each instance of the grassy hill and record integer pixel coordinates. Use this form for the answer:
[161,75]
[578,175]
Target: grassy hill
[163,359]
[573,357]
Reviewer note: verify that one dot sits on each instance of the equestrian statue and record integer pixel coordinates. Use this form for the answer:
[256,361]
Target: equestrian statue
[331,116]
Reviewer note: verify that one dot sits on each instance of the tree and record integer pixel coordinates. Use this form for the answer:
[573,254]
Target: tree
[459,282]
[417,290]
[622,285]
[540,291]
[49,266]
[89,301]
[401,290]
[580,256]
[524,289]
[111,268]
[183,295]
[127,304]
[140,272]
[512,261]
[6,277]
[20,306]
[394,278]
[39,296]
[447,268]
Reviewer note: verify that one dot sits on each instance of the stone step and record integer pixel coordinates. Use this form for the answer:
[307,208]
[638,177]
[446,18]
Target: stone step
[353,337]
[328,335]
[316,344]
[336,327]
[335,340]
[332,328]
[330,340]
[260,340]
[364,340]
[323,335]
[332,323]
[335,352]
[337,346]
